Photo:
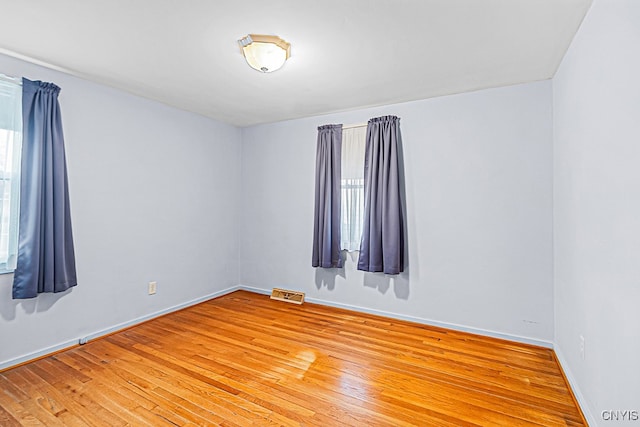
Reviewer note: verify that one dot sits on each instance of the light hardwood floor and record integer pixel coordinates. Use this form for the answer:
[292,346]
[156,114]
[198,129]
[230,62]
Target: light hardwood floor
[243,360]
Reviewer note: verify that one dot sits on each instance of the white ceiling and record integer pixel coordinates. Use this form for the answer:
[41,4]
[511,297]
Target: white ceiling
[345,54]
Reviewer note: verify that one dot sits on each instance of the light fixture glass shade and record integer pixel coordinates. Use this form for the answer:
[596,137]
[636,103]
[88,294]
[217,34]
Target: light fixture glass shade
[265,53]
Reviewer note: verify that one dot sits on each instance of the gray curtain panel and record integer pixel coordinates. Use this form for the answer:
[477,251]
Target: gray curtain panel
[382,245]
[326,219]
[46,261]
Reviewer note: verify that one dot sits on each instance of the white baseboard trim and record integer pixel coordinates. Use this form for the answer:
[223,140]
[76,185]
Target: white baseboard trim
[584,406]
[424,321]
[36,354]
[71,343]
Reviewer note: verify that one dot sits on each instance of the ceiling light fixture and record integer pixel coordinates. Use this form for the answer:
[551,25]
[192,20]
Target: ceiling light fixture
[265,53]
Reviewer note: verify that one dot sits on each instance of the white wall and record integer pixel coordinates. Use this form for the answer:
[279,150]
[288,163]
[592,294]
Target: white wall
[597,208]
[154,196]
[479,199]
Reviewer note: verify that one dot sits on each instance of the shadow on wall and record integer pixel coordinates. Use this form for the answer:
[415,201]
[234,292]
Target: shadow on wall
[326,277]
[382,282]
[41,303]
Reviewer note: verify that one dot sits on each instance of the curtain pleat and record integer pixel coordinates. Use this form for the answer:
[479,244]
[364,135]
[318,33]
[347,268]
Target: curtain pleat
[326,227]
[46,261]
[382,245]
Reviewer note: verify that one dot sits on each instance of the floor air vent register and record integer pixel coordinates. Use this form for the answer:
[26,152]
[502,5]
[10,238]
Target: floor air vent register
[285,295]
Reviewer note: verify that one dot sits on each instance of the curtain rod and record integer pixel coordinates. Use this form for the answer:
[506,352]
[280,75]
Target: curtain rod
[16,80]
[359,125]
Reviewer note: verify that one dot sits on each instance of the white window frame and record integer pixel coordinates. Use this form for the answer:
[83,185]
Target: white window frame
[10,150]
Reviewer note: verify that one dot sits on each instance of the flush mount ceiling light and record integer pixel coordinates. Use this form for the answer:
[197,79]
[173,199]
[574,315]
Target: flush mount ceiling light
[265,53]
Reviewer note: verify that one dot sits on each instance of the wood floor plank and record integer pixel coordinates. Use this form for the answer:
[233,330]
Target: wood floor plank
[8,420]
[245,360]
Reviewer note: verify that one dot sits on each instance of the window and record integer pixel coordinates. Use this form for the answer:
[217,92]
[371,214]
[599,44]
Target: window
[352,187]
[10,148]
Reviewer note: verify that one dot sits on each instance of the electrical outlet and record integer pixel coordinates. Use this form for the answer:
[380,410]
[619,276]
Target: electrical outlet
[152,288]
[581,347]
